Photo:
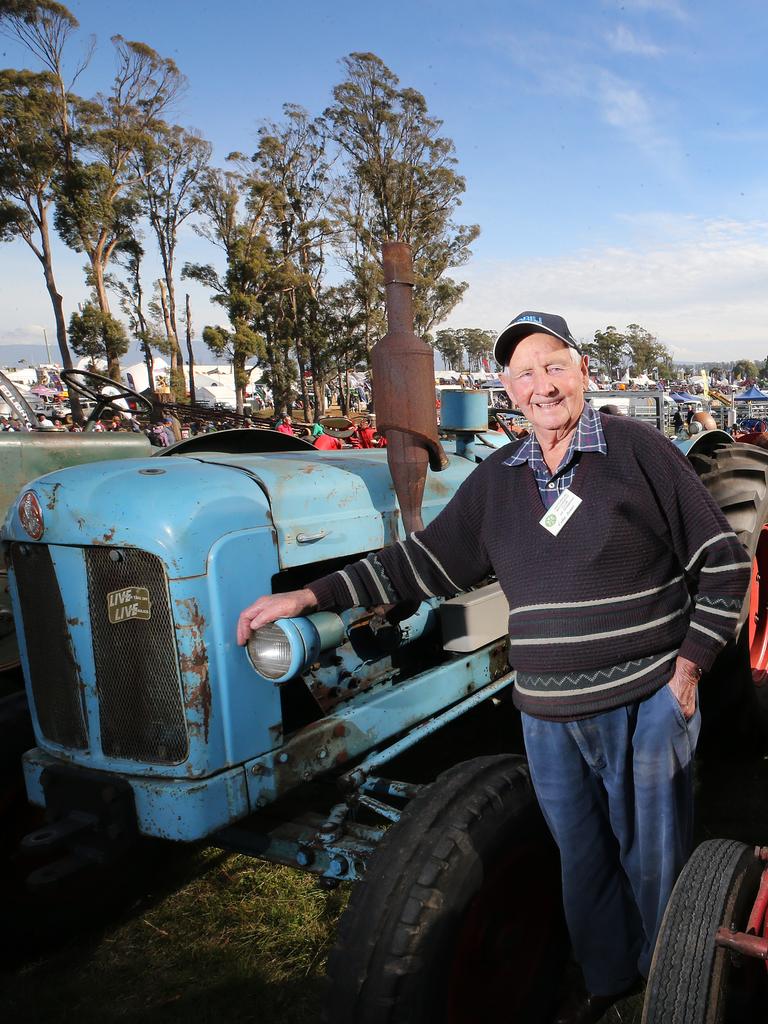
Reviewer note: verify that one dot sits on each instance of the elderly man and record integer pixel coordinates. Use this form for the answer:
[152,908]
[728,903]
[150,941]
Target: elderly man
[624,581]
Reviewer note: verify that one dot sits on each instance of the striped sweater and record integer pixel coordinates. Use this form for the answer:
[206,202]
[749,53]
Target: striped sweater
[645,569]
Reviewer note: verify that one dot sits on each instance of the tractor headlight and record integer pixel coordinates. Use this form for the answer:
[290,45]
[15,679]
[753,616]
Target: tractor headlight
[285,648]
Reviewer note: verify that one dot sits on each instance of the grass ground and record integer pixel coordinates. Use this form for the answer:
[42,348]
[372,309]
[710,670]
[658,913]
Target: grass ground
[204,936]
[238,941]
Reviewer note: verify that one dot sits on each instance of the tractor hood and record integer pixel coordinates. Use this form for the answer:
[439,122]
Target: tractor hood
[319,505]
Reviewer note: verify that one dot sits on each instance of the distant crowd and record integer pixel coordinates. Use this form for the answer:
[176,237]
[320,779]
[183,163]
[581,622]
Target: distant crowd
[168,430]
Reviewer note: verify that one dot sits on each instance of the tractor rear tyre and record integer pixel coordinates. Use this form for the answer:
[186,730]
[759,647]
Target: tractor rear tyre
[693,981]
[458,919]
[735,696]
[736,476]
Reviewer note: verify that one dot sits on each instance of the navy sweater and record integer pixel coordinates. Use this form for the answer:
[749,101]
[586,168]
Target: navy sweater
[646,568]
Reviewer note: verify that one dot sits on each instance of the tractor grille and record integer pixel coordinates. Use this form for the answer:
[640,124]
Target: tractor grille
[137,677]
[55,681]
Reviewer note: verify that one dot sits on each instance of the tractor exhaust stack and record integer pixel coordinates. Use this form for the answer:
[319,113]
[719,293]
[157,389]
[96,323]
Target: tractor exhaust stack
[404,390]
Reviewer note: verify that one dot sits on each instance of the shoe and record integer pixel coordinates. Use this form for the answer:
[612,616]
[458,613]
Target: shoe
[581,1007]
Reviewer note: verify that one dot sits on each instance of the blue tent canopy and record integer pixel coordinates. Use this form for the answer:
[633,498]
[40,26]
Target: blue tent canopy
[752,394]
[682,396]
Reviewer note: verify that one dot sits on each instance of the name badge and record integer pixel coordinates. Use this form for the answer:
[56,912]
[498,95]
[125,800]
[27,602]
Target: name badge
[555,518]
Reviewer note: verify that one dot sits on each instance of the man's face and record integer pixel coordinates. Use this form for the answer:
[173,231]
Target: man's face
[546,383]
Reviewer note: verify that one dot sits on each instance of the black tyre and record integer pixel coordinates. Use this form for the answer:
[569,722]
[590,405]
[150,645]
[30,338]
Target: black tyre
[459,919]
[734,699]
[693,981]
[736,476]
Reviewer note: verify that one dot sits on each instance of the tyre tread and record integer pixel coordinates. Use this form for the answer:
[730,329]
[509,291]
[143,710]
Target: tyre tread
[678,989]
[376,952]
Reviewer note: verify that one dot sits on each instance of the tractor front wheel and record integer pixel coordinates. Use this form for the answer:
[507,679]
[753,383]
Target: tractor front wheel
[458,919]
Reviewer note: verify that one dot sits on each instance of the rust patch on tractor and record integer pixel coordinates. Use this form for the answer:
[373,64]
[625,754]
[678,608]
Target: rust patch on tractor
[314,750]
[74,621]
[108,536]
[51,505]
[498,662]
[194,664]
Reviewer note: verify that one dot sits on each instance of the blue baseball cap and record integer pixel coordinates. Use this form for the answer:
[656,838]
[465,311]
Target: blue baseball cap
[531,322]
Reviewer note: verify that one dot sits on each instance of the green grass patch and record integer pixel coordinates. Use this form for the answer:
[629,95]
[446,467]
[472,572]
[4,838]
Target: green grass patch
[240,940]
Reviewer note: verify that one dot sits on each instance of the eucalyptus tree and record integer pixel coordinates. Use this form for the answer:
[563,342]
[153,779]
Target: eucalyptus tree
[30,161]
[478,346]
[609,349]
[342,321]
[296,176]
[168,162]
[38,114]
[130,290]
[234,214]
[97,334]
[100,198]
[647,352]
[449,344]
[402,182]
[44,28]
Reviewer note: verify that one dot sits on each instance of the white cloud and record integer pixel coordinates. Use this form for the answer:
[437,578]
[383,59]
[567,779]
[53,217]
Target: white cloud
[624,40]
[619,102]
[28,334]
[702,292]
[625,107]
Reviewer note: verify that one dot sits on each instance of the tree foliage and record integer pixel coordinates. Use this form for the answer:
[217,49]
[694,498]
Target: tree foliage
[234,211]
[168,162]
[112,170]
[36,119]
[292,169]
[100,199]
[402,185]
[635,349]
[745,369]
[96,334]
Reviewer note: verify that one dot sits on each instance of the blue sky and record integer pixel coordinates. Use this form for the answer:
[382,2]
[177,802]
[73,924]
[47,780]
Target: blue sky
[616,153]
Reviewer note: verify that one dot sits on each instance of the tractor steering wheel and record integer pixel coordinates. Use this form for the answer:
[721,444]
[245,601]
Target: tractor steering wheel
[93,385]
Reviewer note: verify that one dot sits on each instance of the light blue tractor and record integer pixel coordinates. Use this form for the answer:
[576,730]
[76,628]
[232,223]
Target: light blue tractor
[382,749]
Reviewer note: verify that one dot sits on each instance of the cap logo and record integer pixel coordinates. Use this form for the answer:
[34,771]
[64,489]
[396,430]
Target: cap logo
[528,320]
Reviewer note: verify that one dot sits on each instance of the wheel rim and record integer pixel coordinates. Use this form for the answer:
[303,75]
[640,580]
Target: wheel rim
[758,611]
[505,938]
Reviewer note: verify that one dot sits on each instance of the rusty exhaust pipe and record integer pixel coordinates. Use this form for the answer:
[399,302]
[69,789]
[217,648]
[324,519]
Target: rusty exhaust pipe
[404,390]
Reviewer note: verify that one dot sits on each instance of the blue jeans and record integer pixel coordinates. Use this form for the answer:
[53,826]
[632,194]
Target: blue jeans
[617,793]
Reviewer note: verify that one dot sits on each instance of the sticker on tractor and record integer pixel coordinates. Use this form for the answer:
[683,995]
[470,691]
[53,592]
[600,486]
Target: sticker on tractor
[129,603]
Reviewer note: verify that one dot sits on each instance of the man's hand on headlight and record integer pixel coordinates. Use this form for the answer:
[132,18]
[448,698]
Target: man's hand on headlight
[271,607]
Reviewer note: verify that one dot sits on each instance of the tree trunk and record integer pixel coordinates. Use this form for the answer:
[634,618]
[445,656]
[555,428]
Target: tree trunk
[113,359]
[342,397]
[305,404]
[167,247]
[190,353]
[177,382]
[98,284]
[238,365]
[148,359]
[58,306]
[172,347]
[318,388]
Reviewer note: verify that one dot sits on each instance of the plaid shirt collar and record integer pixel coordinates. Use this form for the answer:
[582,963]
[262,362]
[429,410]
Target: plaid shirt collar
[588,437]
